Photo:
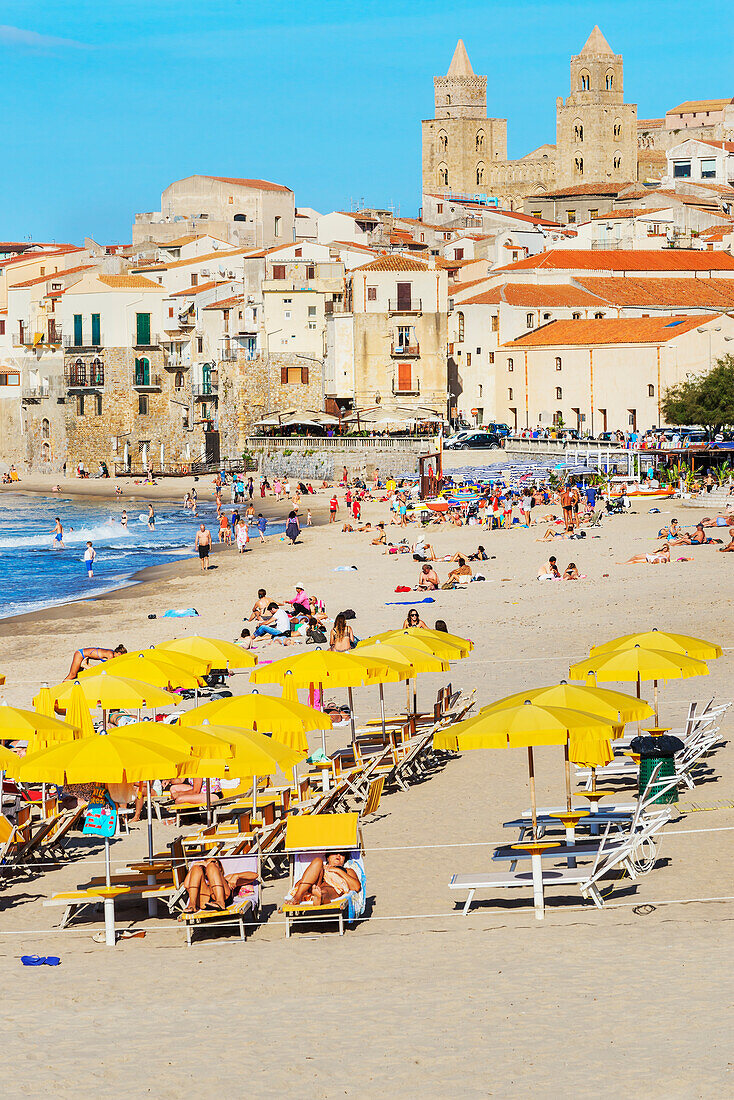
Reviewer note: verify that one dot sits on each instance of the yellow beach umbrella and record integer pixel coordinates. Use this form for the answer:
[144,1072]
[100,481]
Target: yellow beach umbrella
[287,720]
[614,705]
[9,761]
[197,666]
[412,659]
[77,711]
[218,653]
[106,691]
[447,646]
[663,641]
[149,669]
[635,665]
[530,725]
[44,702]
[24,725]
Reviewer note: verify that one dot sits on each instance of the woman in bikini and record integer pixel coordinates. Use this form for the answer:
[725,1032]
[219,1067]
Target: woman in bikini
[210,888]
[414,620]
[342,636]
[324,880]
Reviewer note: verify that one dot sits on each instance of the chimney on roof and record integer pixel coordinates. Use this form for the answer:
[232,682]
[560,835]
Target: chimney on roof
[431,262]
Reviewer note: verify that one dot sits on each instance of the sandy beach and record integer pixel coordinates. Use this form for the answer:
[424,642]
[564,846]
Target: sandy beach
[417,1001]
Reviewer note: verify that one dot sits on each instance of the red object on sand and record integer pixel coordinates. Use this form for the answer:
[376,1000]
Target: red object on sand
[438,505]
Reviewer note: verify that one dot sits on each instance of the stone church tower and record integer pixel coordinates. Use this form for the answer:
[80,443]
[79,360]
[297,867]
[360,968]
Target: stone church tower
[460,142]
[596,131]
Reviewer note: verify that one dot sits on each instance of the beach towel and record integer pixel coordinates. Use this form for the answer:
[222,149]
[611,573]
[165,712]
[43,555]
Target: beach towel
[403,588]
[409,603]
[356,898]
[182,613]
[344,568]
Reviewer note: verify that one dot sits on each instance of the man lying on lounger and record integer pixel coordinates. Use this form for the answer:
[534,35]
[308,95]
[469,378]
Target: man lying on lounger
[324,881]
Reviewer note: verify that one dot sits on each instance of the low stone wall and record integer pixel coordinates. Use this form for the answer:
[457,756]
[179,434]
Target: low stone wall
[307,460]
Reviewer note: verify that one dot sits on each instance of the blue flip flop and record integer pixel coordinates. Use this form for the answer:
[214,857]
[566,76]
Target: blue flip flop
[40,960]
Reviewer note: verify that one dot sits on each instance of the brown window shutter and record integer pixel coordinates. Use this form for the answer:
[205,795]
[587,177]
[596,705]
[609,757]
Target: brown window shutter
[304,375]
[283,376]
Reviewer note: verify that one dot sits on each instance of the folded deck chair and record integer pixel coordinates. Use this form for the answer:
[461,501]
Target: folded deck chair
[246,904]
[315,835]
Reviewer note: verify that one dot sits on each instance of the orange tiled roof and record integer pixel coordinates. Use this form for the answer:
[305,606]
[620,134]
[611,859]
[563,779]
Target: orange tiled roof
[650,123]
[53,276]
[609,330]
[259,185]
[171,264]
[583,189]
[226,303]
[535,295]
[358,247]
[61,250]
[668,293]
[459,288]
[129,282]
[394,263]
[693,106]
[189,291]
[623,260]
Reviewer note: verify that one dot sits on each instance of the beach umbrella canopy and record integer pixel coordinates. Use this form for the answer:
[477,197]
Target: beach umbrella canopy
[44,702]
[192,741]
[24,725]
[106,691]
[662,641]
[251,754]
[447,646]
[319,666]
[77,711]
[637,664]
[9,760]
[219,653]
[287,720]
[613,705]
[149,668]
[198,666]
[530,725]
[110,758]
[410,658]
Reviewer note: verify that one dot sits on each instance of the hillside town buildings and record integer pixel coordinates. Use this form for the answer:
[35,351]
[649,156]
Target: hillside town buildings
[571,285]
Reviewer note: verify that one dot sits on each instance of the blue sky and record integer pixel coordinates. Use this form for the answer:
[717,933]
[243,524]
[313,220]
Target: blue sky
[110,101]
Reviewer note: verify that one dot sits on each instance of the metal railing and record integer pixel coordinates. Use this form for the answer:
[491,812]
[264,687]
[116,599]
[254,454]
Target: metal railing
[143,380]
[86,376]
[205,389]
[405,351]
[406,389]
[347,442]
[35,393]
[404,305]
[84,341]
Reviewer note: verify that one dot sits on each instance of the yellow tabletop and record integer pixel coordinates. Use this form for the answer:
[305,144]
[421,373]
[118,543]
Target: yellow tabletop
[570,817]
[594,796]
[535,847]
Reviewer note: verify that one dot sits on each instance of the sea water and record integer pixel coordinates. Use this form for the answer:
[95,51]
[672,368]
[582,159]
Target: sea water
[35,575]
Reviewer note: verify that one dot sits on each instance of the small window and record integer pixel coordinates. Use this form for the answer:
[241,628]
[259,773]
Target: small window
[708,169]
[45,428]
[179,380]
[509,394]
[598,316]
[310,272]
[578,132]
[371,293]
[312,311]
[528,320]
[279,271]
[468,359]
[617,129]
[495,322]
[559,393]
[97,404]
[650,391]
[546,316]
[170,311]
[575,316]
[312,325]
[479,351]
[287,315]
[593,214]
[439,208]
[579,165]
[199,344]
[536,214]
[610,81]
[2,328]
[559,364]
[194,279]
[491,357]
[298,252]
[617,161]
[584,82]
[458,253]
[480,389]
[10,378]
[571,216]
[277,223]
[142,404]
[682,169]
[460,321]
[510,364]
[80,404]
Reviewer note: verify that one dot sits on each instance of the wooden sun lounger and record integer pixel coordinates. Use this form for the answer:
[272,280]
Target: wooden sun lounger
[238,910]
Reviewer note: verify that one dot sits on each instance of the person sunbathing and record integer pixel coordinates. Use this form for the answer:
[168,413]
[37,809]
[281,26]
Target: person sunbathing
[193,791]
[413,619]
[210,888]
[324,880]
[717,521]
[661,556]
[729,548]
[381,538]
[427,578]
[463,569]
[550,534]
[672,532]
[698,538]
[571,572]
[479,555]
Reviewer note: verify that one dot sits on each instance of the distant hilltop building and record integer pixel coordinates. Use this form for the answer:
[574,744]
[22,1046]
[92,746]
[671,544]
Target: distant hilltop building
[244,212]
[599,139]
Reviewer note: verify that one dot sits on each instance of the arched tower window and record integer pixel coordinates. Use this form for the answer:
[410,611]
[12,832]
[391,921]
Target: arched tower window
[448,100]
[480,141]
[617,128]
[443,142]
[480,175]
[617,161]
[579,165]
[578,130]
[610,81]
[443,176]
[45,427]
[584,81]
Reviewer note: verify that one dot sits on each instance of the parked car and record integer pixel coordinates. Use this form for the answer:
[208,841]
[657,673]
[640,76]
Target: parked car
[454,440]
[480,440]
[496,428]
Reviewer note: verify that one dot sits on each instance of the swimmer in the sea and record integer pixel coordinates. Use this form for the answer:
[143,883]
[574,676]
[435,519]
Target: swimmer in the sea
[58,535]
[151,518]
[123,521]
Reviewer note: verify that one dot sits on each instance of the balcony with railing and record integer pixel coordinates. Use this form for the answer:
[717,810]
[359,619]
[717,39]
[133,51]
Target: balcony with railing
[405,351]
[84,341]
[208,388]
[147,340]
[406,386]
[144,380]
[36,391]
[84,376]
[404,305]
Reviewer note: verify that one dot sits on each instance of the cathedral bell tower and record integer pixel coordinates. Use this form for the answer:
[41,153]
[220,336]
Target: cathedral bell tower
[596,131]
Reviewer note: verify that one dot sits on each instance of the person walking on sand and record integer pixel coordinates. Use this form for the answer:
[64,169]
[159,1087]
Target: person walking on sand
[203,544]
[151,518]
[58,535]
[333,508]
[89,555]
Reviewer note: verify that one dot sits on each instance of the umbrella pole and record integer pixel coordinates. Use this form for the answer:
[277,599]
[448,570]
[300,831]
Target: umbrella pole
[533,806]
[208,802]
[152,903]
[351,715]
[567,762]
[415,697]
[639,696]
[407,698]
[593,779]
[109,901]
[382,713]
[2,784]
[323,732]
[657,715]
[254,796]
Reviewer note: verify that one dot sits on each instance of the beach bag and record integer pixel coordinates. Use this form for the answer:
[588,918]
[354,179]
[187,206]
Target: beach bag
[100,817]
[315,637]
[349,614]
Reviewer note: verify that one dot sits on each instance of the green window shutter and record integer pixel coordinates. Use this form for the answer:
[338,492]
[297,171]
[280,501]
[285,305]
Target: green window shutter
[143,329]
[77,330]
[96,330]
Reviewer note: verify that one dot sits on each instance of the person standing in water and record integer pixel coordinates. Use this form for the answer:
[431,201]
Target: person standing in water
[89,555]
[151,518]
[123,521]
[58,535]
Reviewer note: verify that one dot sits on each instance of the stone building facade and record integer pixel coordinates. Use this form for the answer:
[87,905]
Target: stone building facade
[596,131]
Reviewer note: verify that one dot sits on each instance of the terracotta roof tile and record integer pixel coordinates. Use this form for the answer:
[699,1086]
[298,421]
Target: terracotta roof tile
[584,189]
[55,275]
[171,264]
[61,250]
[190,291]
[226,303]
[609,330]
[536,296]
[692,106]
[623,260]
[259,185]
[459,288]
[394,263]
[668,293]
[129,282]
